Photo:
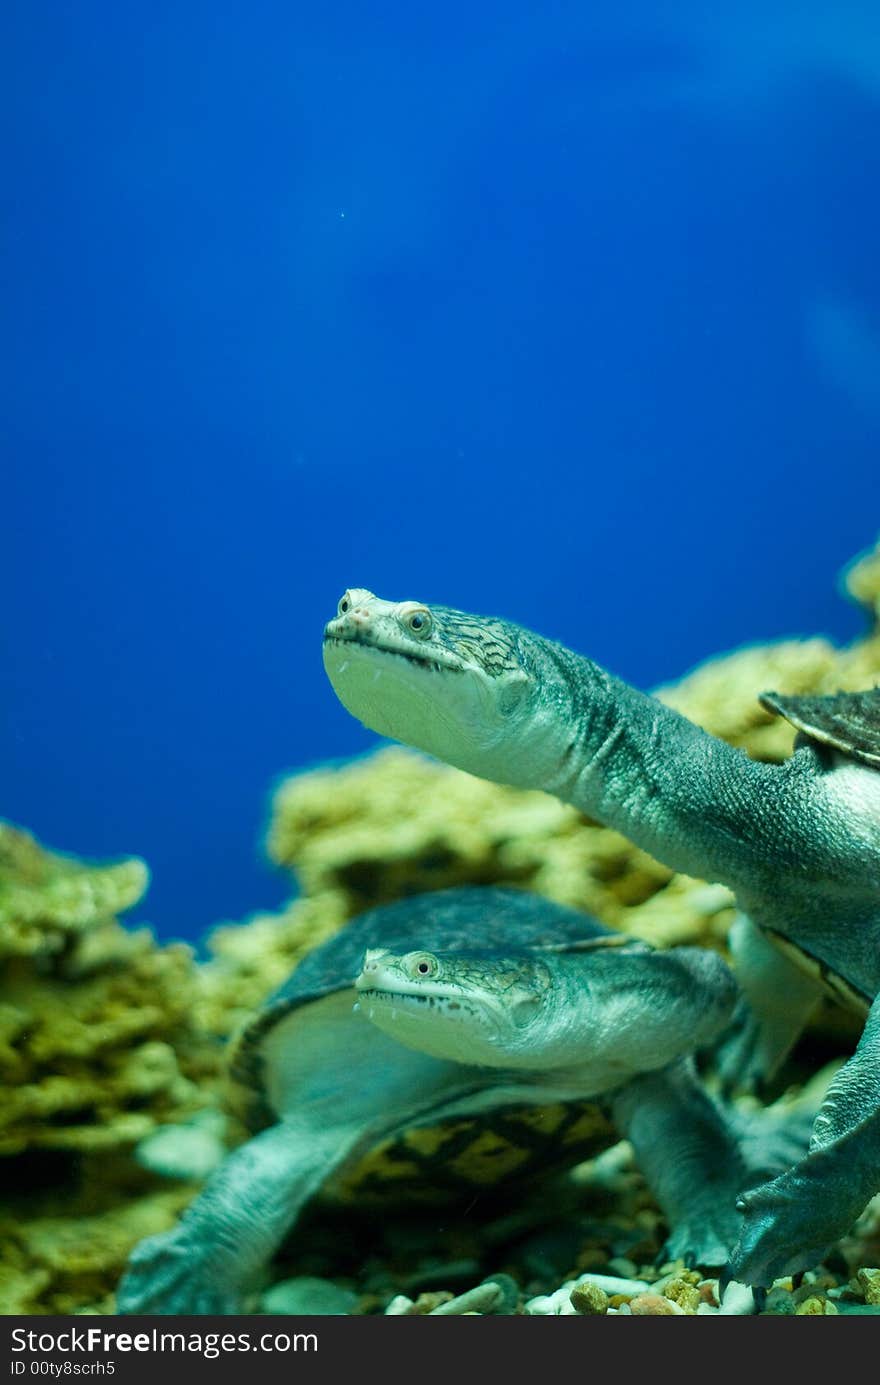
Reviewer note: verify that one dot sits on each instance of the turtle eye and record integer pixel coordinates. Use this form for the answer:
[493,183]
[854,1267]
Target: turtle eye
[418,621]
[344,604]
[422,964]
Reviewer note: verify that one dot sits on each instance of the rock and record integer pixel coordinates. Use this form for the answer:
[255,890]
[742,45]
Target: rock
[588,1298]
[708,1292]
[816,1304]
[429,1300]
[869,1283]
[684,1293]
[399,1306]
[779,1300]
[188,1151]
[560,1301]
[510,1292]
[653,1306]
[613,1283]
[485,1298]
[737,1301]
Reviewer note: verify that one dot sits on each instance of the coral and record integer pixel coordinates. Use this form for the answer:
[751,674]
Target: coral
[98,1049]
[67,1261]
[94,1020]
[49,902]
[861,580]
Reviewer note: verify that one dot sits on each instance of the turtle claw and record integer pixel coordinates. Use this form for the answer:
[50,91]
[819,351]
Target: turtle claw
[781,1234]
[704,1246]
[165,1274]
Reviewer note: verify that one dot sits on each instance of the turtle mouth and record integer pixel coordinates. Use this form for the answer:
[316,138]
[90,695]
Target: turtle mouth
[434,661]
[421,1008]
[394,999]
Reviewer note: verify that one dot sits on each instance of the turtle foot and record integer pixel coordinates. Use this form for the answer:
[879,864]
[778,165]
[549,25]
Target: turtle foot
[773,1139]
[168,1274]
[706,1246]
[782,1233]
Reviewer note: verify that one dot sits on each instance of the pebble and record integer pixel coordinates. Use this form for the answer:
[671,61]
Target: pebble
[588,1298]
[679,1275]
[510,1292]
[399,1305]
[779,1300]
[614,1284]
[684,1293]
[191,1150]
[869,1283]
[708,1291]
[654,1306]
[485,1298]
[559,1302]
[815,1304]
[736,1301]
[307,1294]
[429,1299]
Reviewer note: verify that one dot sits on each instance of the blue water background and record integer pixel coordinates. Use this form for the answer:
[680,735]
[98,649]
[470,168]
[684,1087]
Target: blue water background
[566,312]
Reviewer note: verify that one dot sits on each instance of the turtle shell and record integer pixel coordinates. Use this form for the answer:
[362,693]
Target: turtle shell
[848,721]
[442,1162]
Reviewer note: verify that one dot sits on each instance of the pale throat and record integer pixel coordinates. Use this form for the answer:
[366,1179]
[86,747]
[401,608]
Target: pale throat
[467,1039]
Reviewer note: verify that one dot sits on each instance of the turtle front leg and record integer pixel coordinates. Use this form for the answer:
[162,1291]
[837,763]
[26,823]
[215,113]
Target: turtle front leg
[778,1000]
[792,1222]
[690,1156]
[210,1261]
[698,1155]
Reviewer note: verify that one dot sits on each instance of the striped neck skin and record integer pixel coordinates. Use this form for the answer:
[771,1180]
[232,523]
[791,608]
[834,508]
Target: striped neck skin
[505,704]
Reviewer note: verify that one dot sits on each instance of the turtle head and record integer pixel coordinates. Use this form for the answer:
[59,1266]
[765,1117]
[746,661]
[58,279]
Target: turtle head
[612,1006]
[486,1010]
[460,687]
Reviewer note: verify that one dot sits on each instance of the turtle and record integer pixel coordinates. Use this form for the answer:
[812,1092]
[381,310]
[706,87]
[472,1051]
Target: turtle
[797,842]
[464,1041]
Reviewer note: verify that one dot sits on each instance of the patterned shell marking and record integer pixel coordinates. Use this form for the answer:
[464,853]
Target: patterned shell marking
[848,721]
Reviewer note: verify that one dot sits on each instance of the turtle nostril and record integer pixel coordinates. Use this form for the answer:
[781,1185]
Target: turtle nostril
[357,619]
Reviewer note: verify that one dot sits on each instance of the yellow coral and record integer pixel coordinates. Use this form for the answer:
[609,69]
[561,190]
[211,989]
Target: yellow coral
[861,580]
[97,1048]
[47,899]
